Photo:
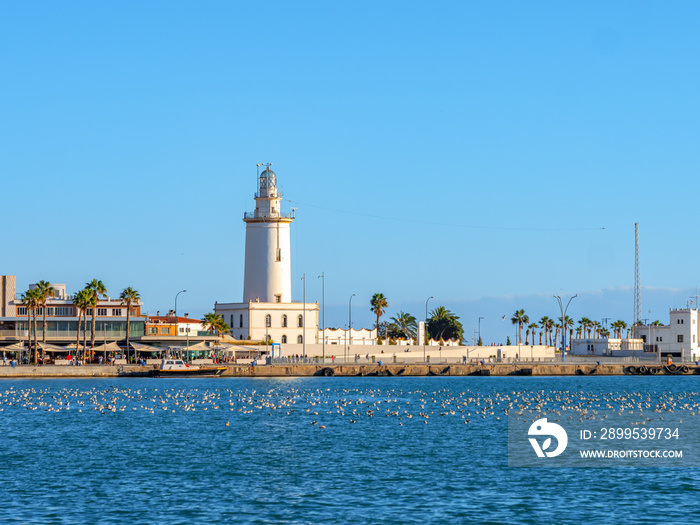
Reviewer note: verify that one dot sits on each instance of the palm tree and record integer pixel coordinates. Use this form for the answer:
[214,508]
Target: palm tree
[82,301]
[532,327]
[44,291]
[443,324]
[405,325]
[586,324]
[545,323]
[550,326]
[97,288]
[30,299]
[520,319]
[128,297]
[215,322]
[378,303]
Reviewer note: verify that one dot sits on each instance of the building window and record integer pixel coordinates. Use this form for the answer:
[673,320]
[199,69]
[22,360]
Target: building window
[300,321]
[284,321]
[88,311]
[164,329]
[240,321]
[61,310]
[116,312]
[268,320]
[182,330]
[22,310]
[278,298]
[231,323]
[152,330]
[284,339]
[102,311]
[300,339]
[680,338]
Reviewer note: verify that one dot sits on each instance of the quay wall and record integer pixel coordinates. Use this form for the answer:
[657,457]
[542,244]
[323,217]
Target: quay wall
[306,370]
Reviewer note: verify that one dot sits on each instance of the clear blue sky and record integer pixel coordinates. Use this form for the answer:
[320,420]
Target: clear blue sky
[468,151]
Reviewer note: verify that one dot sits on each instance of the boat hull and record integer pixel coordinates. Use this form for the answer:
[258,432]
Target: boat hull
[190,372]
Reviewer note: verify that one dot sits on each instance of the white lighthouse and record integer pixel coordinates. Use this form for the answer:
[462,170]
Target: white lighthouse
[268,265]
[267,310]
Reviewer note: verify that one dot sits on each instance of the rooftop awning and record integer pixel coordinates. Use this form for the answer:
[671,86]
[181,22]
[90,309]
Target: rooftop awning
[53,348]
[13,347]
[109,347]
[145,348]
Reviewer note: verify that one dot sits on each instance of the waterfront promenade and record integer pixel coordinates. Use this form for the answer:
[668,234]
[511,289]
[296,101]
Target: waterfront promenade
[364,370]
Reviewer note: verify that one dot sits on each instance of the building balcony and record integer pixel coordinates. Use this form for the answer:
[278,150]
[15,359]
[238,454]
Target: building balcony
[257,215]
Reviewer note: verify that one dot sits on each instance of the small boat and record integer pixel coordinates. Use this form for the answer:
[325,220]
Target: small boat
[178,368]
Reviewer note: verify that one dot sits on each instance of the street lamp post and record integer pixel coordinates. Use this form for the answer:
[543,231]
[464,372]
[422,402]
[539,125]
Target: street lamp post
[347,349]
[323,299]
[178,293]
[563,324]
[425,326]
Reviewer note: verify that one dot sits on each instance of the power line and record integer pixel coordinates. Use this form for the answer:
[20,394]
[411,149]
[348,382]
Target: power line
[429,223]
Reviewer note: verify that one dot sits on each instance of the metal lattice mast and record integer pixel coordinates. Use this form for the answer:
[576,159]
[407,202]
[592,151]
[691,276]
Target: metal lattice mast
[637,287]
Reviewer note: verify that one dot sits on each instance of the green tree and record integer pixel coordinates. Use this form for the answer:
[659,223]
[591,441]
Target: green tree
[215,322]
[129,296]
[405,326]
[520,319]
[378,303]
[30,299]
[545,323]
[44,291]
[82,301]
[444,325]
[97,288]
[532,327]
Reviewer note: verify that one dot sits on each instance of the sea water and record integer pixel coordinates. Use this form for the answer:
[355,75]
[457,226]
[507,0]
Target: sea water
[393,450]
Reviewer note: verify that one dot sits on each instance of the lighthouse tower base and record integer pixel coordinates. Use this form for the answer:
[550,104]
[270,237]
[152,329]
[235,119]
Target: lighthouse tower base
[285,323]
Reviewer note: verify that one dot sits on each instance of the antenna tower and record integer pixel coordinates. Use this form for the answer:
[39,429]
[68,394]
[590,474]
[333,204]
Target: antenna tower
[637,287]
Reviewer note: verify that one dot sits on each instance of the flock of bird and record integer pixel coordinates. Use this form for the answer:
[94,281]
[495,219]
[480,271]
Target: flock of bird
[323,405]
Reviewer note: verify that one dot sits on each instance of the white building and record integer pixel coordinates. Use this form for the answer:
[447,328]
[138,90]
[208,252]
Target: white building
[267,310]
[340,336]
[608,347]
[678,339]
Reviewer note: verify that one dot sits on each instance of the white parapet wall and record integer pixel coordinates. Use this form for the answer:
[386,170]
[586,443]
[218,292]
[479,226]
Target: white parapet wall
[339,353]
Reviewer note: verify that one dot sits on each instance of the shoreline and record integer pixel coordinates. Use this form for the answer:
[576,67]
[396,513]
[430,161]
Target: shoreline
[369,370]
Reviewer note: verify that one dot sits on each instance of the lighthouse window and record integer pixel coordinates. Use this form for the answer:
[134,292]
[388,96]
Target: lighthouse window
[300,321]
[278,298]
[284,321]
[268,320]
